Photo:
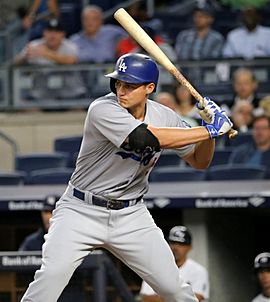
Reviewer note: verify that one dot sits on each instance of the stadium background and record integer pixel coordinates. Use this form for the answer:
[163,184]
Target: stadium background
[225,239]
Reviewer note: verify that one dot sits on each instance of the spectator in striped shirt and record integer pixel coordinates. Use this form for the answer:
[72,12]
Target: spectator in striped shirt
[201,41]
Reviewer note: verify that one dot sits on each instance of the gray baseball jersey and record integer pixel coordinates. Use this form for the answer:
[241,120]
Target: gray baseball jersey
[103,150]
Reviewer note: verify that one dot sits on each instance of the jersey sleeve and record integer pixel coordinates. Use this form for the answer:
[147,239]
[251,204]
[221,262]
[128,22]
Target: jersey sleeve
[146,289]
[113,121]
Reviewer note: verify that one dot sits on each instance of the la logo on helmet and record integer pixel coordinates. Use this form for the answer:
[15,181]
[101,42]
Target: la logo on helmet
[122,66]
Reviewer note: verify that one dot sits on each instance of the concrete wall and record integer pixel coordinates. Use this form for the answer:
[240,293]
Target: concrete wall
[36,131]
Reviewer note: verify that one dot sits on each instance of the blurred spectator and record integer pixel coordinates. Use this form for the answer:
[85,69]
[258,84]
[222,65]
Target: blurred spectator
[128,44]
[264,105]
[245,86]
[53,48]
[201,41]
[262,271]
[258,151]
[242,116]
[249,41]
[193,273]
[185,105]
[139,12]
[167,99]
[97,42]
[33,242]
[38,15]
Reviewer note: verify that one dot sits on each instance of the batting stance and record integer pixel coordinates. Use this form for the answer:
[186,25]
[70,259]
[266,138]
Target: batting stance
[124,134]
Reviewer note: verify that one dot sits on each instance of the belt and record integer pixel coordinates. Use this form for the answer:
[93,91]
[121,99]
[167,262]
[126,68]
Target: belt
[106,203]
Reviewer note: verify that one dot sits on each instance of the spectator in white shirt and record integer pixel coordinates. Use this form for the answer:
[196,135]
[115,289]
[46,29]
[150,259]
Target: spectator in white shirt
[52,48]
[249,41]
[192,272]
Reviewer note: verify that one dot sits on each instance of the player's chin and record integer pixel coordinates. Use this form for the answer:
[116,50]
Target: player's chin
[123,103]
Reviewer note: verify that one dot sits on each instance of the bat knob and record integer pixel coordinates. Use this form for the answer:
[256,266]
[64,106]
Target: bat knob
[232,134]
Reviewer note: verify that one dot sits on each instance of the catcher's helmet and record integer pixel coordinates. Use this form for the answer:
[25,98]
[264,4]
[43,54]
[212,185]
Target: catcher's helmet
[134,68]
[262,261]
[180,234]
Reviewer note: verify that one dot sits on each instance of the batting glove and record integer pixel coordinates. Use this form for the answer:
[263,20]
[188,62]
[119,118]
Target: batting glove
[207,112]
[221,124]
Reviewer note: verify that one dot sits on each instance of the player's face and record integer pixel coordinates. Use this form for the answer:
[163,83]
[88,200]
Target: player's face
[132,95]
[46,216]
[179,250]
[264,278]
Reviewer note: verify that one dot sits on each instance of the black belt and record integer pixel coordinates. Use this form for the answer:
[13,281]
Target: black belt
[109,204]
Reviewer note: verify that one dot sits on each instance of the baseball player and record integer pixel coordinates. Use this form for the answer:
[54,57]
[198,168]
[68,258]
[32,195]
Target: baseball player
[262,270]
[102,206]
[193,273]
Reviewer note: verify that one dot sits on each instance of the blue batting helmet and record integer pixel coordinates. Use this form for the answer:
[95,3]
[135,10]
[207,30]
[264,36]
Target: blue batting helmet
[134,68]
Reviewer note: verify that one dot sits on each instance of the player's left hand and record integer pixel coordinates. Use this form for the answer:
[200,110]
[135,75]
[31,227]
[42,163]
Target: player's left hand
[221,124]
[210,108]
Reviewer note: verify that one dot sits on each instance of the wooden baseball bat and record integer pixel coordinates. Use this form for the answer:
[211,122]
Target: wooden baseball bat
[142,38]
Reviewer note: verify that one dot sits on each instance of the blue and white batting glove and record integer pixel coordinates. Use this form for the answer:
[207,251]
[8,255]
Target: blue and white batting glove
[207,112]
[221,124]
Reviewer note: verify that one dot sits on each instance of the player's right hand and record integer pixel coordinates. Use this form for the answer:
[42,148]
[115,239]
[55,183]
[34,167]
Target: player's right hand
[208,110]
[221,124]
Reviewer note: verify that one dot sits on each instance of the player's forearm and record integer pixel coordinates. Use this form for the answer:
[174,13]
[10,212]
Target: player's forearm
[203,153]
[170,138]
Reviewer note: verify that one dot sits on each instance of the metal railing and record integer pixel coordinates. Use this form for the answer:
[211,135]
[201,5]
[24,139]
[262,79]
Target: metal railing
[75,86]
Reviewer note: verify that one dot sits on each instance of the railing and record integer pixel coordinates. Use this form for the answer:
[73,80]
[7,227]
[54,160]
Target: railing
[75,86]
[4,88]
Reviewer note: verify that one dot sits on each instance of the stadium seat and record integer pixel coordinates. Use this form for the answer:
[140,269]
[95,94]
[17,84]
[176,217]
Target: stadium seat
[221,156]
[235,172]
[168,158]
[50,176]
[38,161]
[69,145]
[12,178]
[163,174]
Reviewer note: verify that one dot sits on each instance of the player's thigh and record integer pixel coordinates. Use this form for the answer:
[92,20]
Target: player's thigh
[141,245]
[74,229]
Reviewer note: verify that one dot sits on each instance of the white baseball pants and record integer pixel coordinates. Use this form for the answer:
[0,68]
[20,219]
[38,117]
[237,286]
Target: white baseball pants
[129,233]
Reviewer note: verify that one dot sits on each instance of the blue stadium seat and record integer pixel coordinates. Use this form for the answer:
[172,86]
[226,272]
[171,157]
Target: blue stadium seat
[12,178]
[163,174]
[168,158]
[242,138]
[50,176]
[69,145]
[221,156]
[38,161]
[235,172]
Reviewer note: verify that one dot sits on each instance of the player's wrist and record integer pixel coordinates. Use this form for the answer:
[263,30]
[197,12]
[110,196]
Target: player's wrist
[211,130]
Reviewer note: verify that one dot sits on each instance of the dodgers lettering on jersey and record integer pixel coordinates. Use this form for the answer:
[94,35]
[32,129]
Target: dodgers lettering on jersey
[103,150]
